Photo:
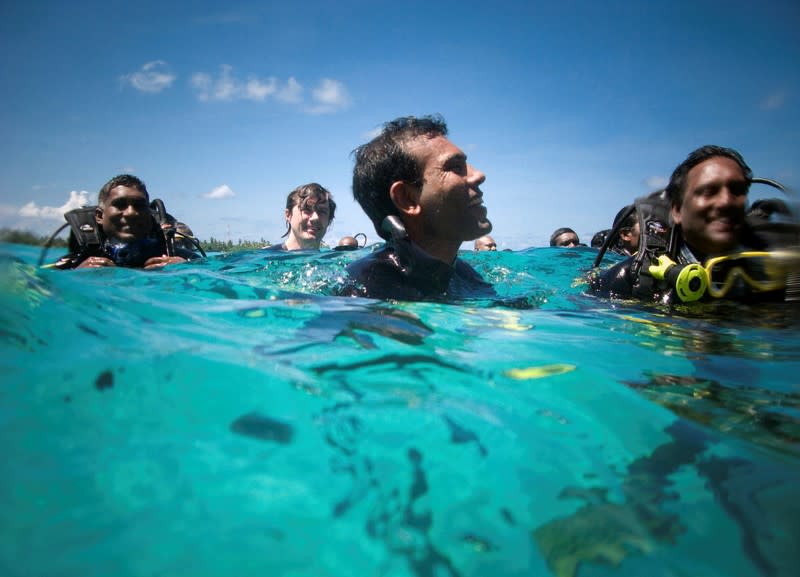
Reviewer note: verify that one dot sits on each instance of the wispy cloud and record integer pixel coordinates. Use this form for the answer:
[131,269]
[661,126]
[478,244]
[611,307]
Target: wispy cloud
[76,200]
[226,87]
[152,77]
[329,96]
[222,191]
[656,182]
[774,101]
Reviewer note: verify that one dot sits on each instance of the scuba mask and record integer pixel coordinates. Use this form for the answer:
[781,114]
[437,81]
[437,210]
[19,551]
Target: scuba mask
[755,271]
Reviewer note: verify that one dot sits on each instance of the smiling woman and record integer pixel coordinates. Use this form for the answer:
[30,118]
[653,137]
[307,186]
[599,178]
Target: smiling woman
[309,211]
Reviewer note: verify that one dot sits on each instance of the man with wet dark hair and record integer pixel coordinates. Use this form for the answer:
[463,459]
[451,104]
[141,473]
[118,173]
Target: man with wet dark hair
[425,200]
[708,192]
[125,232]
[629,231]
[564,237]
[713,252]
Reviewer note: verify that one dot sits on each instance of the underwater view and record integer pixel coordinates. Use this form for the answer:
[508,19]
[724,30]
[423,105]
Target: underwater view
[232,416]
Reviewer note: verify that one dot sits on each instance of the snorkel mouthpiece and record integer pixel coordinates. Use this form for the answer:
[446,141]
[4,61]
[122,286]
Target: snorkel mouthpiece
[690,280]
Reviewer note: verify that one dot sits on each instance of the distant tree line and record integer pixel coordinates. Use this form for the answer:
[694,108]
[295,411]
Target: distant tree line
[216,245]
[211,245]
[27,237]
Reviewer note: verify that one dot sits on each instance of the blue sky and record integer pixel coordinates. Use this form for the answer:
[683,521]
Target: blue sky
[572,109]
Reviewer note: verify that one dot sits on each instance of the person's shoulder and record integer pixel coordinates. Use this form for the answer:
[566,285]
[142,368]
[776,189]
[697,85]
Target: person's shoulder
[617,281]
[276,248]
[380,274]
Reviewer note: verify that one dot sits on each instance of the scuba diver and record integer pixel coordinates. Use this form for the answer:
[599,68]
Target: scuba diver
[714,249]
[424,199]
[124,229]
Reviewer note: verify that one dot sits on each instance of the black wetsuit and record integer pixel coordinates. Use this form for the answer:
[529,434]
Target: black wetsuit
[403,271]
[276,248]
[623,281]
[136,259]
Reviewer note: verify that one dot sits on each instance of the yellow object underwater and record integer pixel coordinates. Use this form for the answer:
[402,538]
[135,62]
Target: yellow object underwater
[539,372]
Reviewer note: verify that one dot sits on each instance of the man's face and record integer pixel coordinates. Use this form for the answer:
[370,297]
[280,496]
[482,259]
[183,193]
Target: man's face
[567,239]
[450,197]
[485,243]
[125,215]
[309,223]
[630,237]
[713,208]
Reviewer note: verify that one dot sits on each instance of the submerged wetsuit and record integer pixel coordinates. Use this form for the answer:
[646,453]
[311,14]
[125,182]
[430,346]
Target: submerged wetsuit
[403,271]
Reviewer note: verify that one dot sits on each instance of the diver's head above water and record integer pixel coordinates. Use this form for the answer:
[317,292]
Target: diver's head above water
[708,193]
[414,172]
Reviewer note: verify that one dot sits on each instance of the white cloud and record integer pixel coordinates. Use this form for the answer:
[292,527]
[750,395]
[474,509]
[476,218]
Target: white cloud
[256,89]
[152,77]
[223,191]
[774,101]
[226,87]
[329,96]
[292,92]
[656,182]
[76,200]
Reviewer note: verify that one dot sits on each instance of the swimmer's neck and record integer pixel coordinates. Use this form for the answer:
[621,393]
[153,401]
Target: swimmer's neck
[443,250]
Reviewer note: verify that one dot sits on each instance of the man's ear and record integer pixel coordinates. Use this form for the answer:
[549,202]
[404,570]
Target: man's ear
[676,214]
[98,215]
[287,214]
[405,197]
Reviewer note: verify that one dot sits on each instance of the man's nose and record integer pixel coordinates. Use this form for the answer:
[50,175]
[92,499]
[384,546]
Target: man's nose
[727,196]
[475,176]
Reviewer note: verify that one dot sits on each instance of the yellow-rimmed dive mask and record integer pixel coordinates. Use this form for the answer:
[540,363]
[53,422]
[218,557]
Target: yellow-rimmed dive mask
[760,271]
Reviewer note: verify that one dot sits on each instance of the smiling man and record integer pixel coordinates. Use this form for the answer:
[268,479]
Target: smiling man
[126,232]
[713,251]
[424,199]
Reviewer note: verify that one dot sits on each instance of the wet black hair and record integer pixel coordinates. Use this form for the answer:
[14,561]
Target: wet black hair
[385,160]
[677,182]
[121,180]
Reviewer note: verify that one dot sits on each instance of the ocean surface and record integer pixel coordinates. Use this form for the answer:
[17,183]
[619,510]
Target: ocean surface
[232,417]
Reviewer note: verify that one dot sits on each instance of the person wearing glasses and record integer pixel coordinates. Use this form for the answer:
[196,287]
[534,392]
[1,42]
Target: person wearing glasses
[713,252]
[424,199]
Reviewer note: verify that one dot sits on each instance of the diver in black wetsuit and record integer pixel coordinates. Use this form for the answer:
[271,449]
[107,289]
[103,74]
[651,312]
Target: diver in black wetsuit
[713,249]
[425,200]
[122,230]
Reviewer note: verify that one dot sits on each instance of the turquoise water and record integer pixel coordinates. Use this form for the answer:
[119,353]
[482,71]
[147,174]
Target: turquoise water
[232,417]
